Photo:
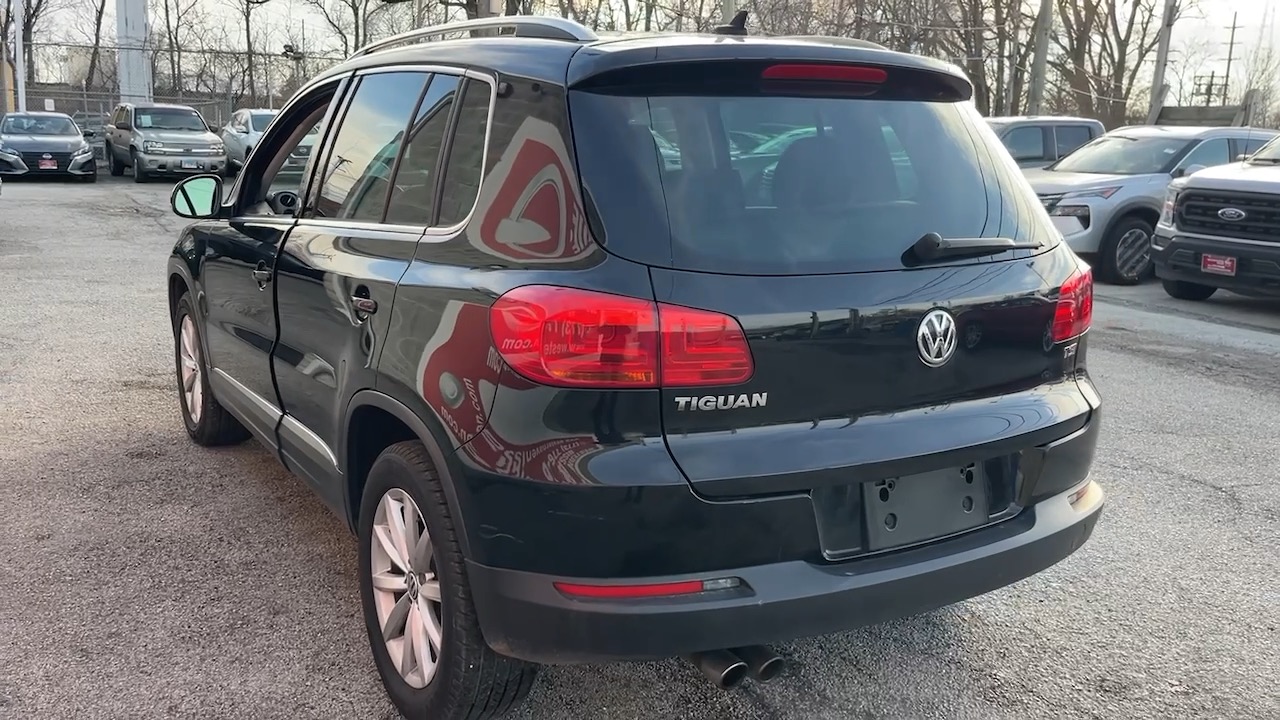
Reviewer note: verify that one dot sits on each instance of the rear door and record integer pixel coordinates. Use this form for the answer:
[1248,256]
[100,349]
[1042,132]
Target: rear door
[868,363]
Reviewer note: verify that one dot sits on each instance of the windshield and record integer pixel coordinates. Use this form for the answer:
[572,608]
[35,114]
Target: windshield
[841,184]
[38,125]
[1269,153]
[1125,155]
[259,121]
[169,119]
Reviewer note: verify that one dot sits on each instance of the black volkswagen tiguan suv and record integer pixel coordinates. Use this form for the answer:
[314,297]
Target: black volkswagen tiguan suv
[642,346]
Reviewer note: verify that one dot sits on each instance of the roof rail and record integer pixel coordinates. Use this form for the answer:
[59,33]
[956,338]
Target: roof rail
[537,26]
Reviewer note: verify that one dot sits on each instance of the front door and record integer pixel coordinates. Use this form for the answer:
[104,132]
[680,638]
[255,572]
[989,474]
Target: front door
[237,274]
[337,274]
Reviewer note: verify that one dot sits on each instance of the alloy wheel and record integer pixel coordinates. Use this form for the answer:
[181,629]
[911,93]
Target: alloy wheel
[406,588]
[190,370]
[1133,253]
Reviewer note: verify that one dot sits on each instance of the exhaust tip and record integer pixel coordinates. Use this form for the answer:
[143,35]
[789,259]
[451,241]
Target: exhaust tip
[733,676]
[771,669]
[763,663]
[724,669]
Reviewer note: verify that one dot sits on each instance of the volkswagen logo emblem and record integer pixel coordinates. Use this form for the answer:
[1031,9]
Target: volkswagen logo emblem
[936,338]
[1232,214]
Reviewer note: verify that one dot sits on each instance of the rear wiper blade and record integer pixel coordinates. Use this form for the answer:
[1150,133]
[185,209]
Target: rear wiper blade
[931,246]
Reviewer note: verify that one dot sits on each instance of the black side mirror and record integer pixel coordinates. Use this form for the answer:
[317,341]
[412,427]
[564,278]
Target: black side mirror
[197,198]
[88,133]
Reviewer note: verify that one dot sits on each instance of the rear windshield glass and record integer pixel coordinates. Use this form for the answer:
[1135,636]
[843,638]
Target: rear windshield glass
[792,185]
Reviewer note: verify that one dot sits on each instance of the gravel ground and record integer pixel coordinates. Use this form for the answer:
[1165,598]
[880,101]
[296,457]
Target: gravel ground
[143,577]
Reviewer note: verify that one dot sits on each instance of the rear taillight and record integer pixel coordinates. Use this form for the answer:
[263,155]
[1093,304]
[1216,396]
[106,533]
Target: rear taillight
[825,73]
[1074,313]
[567,337]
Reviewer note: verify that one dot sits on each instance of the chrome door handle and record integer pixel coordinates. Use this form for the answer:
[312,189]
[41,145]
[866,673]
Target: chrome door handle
[262,276]
[364,305]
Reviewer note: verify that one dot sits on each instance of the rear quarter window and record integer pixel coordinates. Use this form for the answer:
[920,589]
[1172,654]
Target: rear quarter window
[837,185]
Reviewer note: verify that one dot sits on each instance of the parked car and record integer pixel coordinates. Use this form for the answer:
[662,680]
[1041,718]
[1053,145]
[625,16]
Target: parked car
[1037,141]
[162,140]
[742,424]
[45,143]
[1106,197]
[1221,229]
[242,132]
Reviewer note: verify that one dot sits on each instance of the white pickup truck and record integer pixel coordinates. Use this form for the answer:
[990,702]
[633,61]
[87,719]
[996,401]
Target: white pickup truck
[1220,228]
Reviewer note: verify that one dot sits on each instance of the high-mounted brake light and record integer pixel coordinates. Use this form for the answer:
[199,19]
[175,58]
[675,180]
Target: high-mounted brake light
[567,337]
[826,73]
[1074,313]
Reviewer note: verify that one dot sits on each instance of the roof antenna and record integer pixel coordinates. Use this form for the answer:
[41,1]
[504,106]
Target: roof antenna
[736,26]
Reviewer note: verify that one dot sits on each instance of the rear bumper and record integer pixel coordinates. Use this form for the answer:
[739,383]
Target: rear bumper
[524,616]
[1177,257]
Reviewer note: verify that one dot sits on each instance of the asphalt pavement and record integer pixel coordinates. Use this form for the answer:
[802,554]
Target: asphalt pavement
[141,576]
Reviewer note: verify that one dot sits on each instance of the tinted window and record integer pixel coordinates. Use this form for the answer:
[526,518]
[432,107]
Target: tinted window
[466,155]
[1269,152]
[359,163]
[1254,144]
[857,181]
[1070,137]
[259,121]
[1125,155]
[413,195]
[1025,143]
[1209,153]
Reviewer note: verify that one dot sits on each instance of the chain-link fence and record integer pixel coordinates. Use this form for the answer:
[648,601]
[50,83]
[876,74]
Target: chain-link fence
[82,81]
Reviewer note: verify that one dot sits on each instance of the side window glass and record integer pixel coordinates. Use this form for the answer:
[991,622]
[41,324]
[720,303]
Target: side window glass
[466,156]
[1070,137]
[1208,153]
[357,170]
[1252,145]
[1025,143]
[413,193]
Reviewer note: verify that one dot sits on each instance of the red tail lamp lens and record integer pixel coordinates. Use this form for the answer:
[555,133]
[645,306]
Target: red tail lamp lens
[1074,313]
[826,73]
[622,592]
[566,337]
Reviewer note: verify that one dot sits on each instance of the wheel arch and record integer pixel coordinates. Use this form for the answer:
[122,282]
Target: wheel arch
[1146,212]
[375,421]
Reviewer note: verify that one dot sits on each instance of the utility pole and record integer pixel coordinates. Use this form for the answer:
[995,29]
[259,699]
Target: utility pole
[727,9]
[1231,54]
[19,54]
[1158,89]
[1040,64]
[4,70]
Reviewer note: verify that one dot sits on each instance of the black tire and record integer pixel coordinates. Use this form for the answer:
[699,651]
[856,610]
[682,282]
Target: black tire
[1183,290]
[116,167]
[471,680]
[139,175]
[1115,268]
[216,426]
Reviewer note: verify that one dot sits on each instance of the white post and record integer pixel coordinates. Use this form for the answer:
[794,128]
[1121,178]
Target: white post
[19,55]
[727,9]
